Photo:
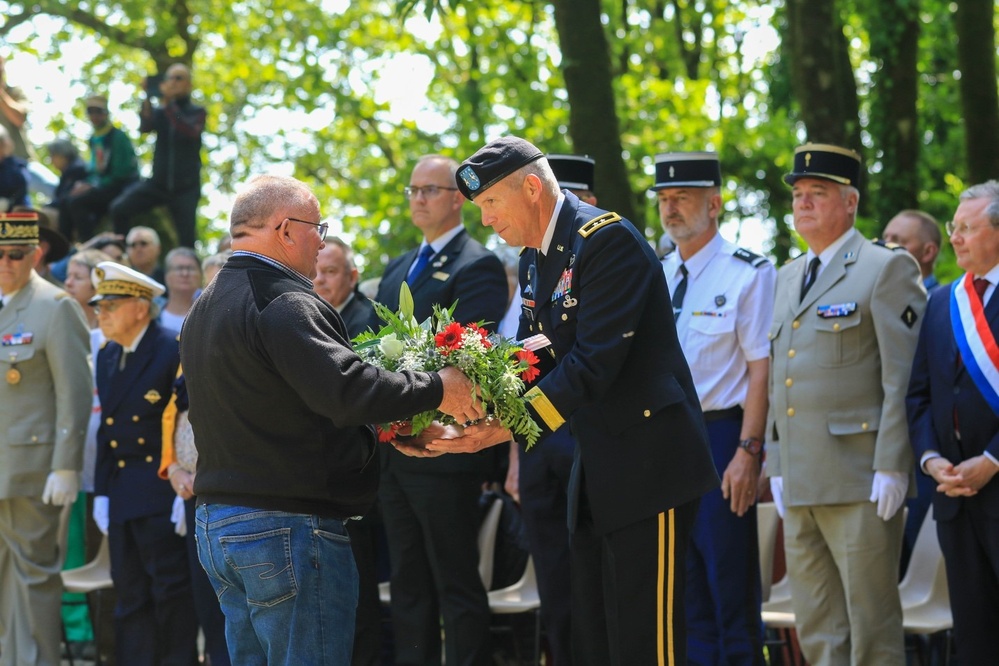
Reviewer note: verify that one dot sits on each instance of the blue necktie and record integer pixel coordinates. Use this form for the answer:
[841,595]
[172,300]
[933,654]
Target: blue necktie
[421,263]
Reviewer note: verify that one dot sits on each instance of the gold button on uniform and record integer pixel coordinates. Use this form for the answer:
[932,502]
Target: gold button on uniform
[149,458]
[796,324]
[109,421]
[142,440]
[647,413]
[864,426]
[790,353]
[788,382]
[835,327]
[121,463]
[114,444]
[565,317]
[135,419]
[790,411]
[34,438]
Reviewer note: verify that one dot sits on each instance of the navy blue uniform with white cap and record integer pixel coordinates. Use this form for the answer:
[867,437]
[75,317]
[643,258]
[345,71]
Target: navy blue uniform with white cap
[155,620]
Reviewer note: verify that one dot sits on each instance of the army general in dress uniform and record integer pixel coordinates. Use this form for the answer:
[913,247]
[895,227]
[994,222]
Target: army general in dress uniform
[155,620]
[45,396]
[846,320]
[616,374]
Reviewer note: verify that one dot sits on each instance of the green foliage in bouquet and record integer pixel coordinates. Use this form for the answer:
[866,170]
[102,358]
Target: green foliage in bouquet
[497,366]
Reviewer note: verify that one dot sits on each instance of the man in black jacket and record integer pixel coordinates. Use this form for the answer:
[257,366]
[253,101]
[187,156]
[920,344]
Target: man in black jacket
[176,179]
[614,371]
[280,406]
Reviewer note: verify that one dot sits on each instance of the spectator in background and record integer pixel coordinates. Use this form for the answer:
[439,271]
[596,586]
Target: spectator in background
[431,506]
[336,283]
[14,114]
[112,168]
[143,249]
[212,265]
[13,175]
[176,179]
[919,233]
[183,283]
[155,622]
[66,159]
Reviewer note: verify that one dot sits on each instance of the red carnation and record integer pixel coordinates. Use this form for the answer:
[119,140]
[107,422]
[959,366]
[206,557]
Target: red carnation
[528,359]
[450,338]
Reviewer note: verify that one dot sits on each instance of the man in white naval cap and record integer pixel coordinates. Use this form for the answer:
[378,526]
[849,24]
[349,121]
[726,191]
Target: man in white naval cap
[155,621]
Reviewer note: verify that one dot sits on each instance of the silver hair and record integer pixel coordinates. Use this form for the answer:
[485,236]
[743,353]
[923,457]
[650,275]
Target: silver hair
[262,197]
[987,190]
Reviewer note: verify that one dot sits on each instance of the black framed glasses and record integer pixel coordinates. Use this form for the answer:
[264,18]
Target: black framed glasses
[429,191]
[107,306]
[139,243]
[13,255]
[323,227]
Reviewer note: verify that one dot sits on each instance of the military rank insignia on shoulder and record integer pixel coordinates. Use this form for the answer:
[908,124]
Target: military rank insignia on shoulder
[888,244]
[751,258]
[598,222]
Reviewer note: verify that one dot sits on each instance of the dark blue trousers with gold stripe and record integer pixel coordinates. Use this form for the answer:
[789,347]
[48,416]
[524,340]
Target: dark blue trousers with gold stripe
[628,590]
[724,627]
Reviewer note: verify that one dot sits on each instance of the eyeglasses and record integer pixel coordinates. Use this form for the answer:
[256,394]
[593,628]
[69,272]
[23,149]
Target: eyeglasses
[14,255]
[963,228]
[109,306]
[429,191]
[95,110]
[323,227]
[182,269]
[139,243]
[177,77]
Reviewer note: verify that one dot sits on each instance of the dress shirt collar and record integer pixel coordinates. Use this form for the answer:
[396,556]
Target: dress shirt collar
[699,260]
[827,255]
[993,277]
[441,241]
[276,264]
[550,230]
[135,343]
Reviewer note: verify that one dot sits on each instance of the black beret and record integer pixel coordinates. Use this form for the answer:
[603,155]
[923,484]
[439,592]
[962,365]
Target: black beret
[573,172]
[822,160]
[494,162]
[687,170]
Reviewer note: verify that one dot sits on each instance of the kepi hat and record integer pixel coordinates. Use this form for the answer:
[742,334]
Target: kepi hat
[112,281]
[700,169]
[19,228]
[573,172]
[494,162]
[825,161]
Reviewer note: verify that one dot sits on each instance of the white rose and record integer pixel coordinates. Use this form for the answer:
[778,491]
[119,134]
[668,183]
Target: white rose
[391,346]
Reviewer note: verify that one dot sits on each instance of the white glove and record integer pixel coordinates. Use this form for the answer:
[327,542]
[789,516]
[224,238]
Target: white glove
[61,487]
[888,490]
[178,517]
[101,513]
[777,490]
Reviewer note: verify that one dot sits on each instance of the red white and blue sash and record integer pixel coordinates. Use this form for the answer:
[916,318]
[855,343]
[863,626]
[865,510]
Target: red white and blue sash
[975,340]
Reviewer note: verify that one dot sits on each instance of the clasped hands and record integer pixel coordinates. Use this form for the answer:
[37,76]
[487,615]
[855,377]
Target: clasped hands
[460,401]
[964,479]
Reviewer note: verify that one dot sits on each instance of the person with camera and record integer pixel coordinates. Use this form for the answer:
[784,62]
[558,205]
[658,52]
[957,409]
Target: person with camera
[176,179]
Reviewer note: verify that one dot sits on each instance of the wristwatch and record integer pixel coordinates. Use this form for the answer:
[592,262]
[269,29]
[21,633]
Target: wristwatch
[751,446]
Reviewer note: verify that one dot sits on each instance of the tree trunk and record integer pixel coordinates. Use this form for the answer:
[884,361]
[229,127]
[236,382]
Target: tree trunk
[593,121]
[818,58]
[894,29]
[976,55]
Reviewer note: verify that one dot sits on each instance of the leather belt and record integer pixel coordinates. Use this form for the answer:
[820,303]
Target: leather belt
[722,414]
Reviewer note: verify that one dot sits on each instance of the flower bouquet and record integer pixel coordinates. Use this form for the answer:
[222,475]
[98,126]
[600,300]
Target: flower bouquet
[495,365]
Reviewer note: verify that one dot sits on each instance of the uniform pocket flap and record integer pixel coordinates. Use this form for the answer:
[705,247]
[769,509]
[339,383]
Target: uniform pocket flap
[854,422]
[837,324]
[655,394]
[30,433]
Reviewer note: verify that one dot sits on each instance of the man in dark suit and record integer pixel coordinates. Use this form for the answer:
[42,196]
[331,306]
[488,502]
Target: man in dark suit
[430,507]
[953,411]
[592,286]
[336,283]
[155,620]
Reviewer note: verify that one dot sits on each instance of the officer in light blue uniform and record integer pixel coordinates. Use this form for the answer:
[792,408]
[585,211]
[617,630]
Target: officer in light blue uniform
[723,302]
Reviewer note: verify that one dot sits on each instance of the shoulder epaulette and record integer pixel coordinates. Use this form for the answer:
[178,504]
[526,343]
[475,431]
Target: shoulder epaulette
[883,243]
[751,258]
[597,222]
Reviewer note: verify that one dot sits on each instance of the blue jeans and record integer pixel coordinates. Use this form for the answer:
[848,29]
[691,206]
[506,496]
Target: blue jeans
[286,583]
